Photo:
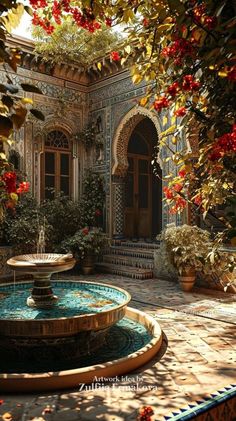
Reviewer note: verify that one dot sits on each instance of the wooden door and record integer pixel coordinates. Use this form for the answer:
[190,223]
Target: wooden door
[138,197]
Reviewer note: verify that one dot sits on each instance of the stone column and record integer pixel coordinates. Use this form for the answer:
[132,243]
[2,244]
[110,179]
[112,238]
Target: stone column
[118,206]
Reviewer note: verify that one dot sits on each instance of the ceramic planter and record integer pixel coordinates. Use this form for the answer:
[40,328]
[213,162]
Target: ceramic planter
[87,264]
[187,279]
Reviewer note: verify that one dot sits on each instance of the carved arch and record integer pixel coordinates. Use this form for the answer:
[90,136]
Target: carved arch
[122,136]
[62,125]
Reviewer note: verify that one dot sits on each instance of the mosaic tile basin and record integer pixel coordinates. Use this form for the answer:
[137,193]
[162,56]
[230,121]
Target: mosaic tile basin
[82,306]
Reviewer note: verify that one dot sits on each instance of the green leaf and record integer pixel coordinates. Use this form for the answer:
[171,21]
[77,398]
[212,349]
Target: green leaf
[31,88]
[38,114]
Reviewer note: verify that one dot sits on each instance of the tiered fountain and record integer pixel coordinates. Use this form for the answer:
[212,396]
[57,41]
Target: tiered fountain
[84,329]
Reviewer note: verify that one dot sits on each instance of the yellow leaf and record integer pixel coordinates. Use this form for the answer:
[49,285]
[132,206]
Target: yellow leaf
[164,120]
[136,78]
[99,66]
[123,60]
[222,73]
[173,119]
[128,49]
[174,140]
[143,101]
[27,101]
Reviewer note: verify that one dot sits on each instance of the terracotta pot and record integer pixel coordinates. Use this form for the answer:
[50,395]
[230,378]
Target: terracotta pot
[187,279]
[87,264]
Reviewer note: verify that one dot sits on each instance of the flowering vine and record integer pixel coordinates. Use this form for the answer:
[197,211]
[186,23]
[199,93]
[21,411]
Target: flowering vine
[183,49]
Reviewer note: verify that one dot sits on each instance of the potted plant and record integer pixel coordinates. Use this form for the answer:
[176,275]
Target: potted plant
[187,247]
[85,245]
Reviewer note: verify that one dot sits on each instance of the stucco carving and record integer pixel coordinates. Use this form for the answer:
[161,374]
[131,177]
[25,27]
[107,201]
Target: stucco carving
[122,136]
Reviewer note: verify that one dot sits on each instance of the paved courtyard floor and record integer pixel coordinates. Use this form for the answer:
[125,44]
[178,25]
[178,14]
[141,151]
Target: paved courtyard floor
[196,361]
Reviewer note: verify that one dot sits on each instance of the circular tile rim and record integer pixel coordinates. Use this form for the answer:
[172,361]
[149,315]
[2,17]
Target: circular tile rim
[26,382]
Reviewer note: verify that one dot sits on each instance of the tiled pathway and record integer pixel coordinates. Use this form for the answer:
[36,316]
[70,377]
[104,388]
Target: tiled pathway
[197,359]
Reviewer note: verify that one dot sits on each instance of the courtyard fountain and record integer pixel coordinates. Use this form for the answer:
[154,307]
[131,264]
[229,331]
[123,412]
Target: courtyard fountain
[74,330]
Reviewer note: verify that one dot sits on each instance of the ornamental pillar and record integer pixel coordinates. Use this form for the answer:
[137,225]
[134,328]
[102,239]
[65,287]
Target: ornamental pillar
[118,206]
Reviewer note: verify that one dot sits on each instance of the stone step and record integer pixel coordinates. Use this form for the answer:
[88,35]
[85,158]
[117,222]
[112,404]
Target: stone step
[128,261]
[128,271]
[137,244]
[128,251]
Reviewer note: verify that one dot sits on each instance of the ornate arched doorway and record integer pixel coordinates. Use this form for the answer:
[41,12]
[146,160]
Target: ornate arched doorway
[136,192]
[142,218]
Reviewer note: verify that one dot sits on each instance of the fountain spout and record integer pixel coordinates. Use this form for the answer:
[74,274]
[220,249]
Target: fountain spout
[41,240]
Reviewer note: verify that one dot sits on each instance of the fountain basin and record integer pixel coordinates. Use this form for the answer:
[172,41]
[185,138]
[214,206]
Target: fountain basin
[77,324]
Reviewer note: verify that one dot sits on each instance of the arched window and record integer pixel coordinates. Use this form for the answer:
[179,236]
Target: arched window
[56,165]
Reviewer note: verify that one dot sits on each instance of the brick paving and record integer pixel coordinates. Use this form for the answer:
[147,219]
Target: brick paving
[197,358]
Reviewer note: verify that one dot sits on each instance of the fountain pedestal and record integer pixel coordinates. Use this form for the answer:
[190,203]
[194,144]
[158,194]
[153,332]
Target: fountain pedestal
[42,294]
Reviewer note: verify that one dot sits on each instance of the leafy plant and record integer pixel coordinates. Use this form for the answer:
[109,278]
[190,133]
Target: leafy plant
[188,247]
[87,136]
[71,44]
[21,227]
[92,200]
[63,216]
[85,242]
[13,106]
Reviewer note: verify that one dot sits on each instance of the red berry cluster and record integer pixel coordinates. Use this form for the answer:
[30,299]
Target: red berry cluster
[226,144]
[83,18]
[43,22]
[115,56]
[200,16]
[56,12]
[37,4]
[173,89]
[180,112]
[161,102]
[145,414]
[178,49]
[189,84]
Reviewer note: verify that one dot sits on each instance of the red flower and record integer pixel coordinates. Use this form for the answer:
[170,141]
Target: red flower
[85,231]
[178,187]
[180,112]
[145,22]
[182,173]
[10,181]
[98,212]
[23,187]
[198,200]
[115,56]
[108,21]
[168,193]
[145,413]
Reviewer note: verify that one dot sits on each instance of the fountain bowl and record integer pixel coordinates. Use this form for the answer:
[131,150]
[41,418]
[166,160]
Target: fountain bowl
[41,263]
